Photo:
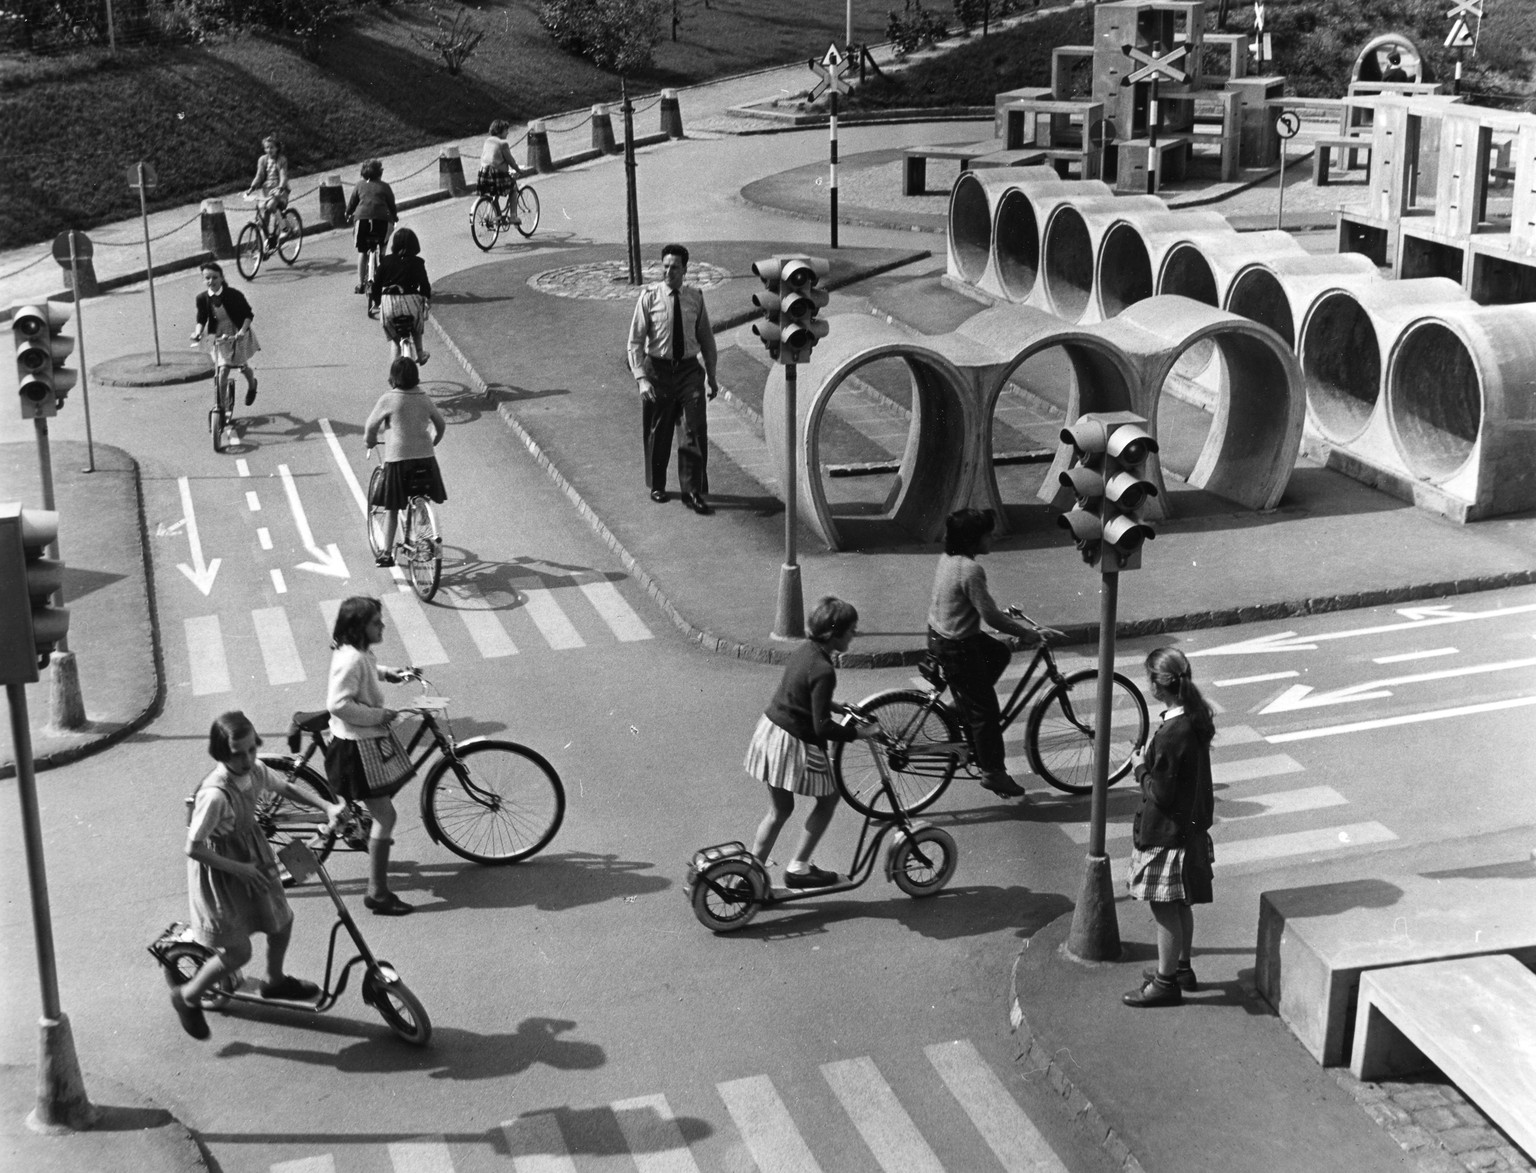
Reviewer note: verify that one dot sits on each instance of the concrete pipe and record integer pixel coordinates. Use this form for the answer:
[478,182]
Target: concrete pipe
[1343,345]
[973,206]
[1133,251]
[1016,235]
[1070,243]
[1204,269]
[1461,404]
[1276,293]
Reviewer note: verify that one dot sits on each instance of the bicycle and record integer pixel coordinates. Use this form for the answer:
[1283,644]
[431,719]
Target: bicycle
[375,257]
[402,311]
[221,417]
[487,800]
[926,744]
[419,542]
[492,213]
[256,244]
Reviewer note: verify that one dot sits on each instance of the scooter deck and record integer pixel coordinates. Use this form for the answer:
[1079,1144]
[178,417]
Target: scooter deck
[778,893]
[249,990]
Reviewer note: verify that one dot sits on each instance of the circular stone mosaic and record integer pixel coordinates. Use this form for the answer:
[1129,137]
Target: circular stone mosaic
[609,280]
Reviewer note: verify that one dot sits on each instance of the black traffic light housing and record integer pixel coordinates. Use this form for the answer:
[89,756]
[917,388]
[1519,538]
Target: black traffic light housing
[42,381]
[791,301]
[1108,478]
[30,625]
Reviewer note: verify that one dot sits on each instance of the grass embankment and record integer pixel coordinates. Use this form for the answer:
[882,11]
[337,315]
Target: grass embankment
[70,127]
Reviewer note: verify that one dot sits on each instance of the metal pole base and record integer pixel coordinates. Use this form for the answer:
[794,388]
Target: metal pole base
[1095,934]
[790,623]
[62,1105]
[66,707]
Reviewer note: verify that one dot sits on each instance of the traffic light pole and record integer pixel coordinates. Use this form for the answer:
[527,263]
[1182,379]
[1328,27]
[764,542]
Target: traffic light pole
[790,620]
[62,1104]
[1095,933]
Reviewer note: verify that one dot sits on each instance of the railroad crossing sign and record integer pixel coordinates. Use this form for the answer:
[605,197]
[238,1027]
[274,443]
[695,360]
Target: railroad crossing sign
[1466,8]
[1288,124]
[830,69]
[1258,17]
[1155,67]
[1460,36]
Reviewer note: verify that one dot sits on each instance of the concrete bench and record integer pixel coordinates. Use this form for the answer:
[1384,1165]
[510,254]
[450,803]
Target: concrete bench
[1474,1019]
[1314,943]
[983,154]
[1348,146]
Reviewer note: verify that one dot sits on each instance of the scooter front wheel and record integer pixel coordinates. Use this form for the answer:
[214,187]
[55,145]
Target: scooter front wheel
[398,1007]
[923,862]
[183,960]
[725,895]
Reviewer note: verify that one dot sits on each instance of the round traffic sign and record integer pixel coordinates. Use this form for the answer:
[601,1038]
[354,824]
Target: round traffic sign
[1101,133]
[1288,124]
[149,175]
[83,246]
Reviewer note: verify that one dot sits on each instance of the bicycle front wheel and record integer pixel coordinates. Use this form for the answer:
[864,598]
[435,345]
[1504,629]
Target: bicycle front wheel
[497,802]
[527,210]
[248,254]
[923,748]
[1060,734]
[485,223]
[290,236]
[282,820]
[424,547]
[378,516]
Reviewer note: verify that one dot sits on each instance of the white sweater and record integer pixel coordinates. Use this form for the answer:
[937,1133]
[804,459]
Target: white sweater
[353,695]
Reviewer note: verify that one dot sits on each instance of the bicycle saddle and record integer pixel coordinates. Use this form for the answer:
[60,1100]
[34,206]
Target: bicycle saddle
[315,721]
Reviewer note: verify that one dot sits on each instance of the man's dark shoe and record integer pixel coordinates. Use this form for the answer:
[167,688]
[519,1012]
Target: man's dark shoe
[1003,786]
[192,1020]
[696,502]
[290,989]
[1157,992]
[659,495]
[1183,977]
[812,877]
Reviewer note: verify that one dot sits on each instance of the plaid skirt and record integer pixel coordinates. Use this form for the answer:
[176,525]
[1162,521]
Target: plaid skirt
[779,758]
[1174,875]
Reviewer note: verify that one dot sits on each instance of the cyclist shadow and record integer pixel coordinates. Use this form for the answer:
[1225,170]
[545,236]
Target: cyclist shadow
[459,403]
[968,911]
[496,584]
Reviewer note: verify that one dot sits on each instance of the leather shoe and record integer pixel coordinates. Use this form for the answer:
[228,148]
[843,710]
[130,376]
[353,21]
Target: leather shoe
[290,989]
[658,495]
[812,877]
[1003,786]
[192,1019]
[250,393]
[1157,992]
[387,905]
[696,502]
[1183,978]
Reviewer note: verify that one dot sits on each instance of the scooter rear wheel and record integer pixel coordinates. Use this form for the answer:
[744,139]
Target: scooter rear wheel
[725,895]
[183,960]
[398,1007]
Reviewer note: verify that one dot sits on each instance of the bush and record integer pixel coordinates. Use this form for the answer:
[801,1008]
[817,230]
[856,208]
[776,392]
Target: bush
[970,13]
[915,28]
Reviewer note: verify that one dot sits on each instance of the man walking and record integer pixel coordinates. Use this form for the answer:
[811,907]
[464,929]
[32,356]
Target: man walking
[668,333]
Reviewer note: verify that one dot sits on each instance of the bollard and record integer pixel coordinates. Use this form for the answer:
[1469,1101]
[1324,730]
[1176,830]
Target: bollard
[88,284]
[602,131]
[671,115]
[538,148]
[333,202]
[66,707]
[450,172]
[216,238]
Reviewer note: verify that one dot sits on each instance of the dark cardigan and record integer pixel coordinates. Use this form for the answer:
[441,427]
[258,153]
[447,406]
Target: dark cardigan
[234,303]
[803,704]
[1176,791]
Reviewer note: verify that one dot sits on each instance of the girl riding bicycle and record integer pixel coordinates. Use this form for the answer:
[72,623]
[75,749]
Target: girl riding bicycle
[226,313]
[415,427]
[371,207]
[402,288]
[499,171]
[272,180]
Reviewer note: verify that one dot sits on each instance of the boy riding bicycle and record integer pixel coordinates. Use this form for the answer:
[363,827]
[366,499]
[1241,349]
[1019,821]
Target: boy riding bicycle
[272,179]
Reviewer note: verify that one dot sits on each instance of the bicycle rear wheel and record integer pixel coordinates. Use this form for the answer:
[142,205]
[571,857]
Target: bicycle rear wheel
[282,821]
[497,802]
[290,236]
[248,252]
[378,516]
[1060,734]
[527,210]
[485,223]
[924,748]
[424,548]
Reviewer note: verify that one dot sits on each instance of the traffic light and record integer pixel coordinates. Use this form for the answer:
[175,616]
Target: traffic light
[790,302]
[30,625]
[1085,477]
[42,381]
[1106,476]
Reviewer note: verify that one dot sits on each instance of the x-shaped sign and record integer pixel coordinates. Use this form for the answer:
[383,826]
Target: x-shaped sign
[1155,67]
[1471,8]
[830,69]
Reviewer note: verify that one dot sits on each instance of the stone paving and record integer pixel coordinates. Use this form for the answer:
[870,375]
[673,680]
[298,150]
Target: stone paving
[1436,1125]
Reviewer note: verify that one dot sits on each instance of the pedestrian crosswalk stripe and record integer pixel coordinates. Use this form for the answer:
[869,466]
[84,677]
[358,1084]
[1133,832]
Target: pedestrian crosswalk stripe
[278,648]
[1006,1127]
[617,614]
[279,584]
[321,1164]
[1229,810]
[766,1127]
[536,1144]
[205,651]
[557,630]
[428,1154]
[1302,843]
[1247,769]
[422,646]
[656,1143]
[1235,735]
[887,1130]
[491,638]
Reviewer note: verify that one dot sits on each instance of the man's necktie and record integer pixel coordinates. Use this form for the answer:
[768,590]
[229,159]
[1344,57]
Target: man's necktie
[677,327]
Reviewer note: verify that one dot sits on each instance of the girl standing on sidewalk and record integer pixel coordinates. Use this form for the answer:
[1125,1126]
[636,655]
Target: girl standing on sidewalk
[1173,856]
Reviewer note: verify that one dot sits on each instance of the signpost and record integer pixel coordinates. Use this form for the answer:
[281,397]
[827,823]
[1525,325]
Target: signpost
[141,176]
[1155,68]
[831,70]
[1461,36]
[69,249]
[1286,127]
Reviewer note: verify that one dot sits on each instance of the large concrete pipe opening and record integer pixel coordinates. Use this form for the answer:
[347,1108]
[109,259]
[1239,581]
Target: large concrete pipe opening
[1434,400]
[1341,360]
[1125,269]
[1187,273]
[970,227]
[887,444]
[1068,263]
[1018,245]
[1258,295]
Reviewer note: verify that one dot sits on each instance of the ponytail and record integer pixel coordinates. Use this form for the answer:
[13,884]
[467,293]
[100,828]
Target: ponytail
[1169,667]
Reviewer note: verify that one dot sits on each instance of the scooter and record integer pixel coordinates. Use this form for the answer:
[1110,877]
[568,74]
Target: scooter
[727,884]
[182,957]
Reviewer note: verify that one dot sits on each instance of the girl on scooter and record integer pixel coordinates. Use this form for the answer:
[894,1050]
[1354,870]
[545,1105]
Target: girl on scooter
[788,752]
[232,877]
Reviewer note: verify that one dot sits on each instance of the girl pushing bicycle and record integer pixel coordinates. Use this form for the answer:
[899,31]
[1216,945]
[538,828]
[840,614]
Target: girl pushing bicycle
[414,427]
[226,315]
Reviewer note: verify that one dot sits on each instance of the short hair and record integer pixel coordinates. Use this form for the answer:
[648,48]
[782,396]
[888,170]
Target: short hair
[211,267]
[675,250]
[405,244]
[228,728]
[352,620]
[830,619]
[404,374]
[964,530]
[500,127]
[272,141]
[371,169]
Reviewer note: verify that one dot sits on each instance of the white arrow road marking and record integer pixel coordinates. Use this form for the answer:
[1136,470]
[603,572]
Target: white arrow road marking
[1518,702]
[327,561]
[1300,696]
[1419,617]
[357,490]
[201,575]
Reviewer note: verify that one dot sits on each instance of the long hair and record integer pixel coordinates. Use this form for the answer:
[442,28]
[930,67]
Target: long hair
[1169,668]
[352,620]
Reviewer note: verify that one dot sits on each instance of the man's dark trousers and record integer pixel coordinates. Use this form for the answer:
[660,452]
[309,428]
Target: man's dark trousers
[679,400]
